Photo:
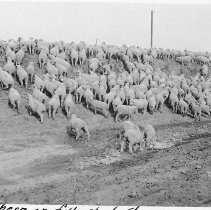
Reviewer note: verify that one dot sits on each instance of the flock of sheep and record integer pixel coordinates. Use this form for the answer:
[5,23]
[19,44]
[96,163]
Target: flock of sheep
[122,91]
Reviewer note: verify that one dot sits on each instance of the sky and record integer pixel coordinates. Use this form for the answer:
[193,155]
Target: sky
[176,26]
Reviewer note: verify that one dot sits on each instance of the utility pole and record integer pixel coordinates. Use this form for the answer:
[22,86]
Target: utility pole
[151,28]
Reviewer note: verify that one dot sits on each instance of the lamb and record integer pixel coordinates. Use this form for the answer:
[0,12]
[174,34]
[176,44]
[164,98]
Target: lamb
[30,71]
[100,106]
[125,110]
[54,104]
[14,98]
[150,135]
[22,76]
[78,124]
[68,104]
[140,104]
[6,79]
[61,92]
[183,106]
[36,106]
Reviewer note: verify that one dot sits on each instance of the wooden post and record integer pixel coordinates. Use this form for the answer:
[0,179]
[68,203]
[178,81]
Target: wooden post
[151,28]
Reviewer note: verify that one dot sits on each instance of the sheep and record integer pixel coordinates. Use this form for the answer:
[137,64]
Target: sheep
[204,70]
[129,95]
[71,84]
[30,71]
[10,67]
[82,57]
[61,92]
[173,99]
[36,93]
[78,124]
[51,69]
[42,59]
[61,69]
[74,57]
[68,104]
[36,106]
[88,95]
[205,109]
[196,109]
[6,79]
[125,110]
[140,104]
[14,98]
[100,106]
[22,76]
[150,135]
[39,84]
[54,104]
[20,55]
[79,93]
[152,104]
[50,86]
[183,106]
[159,102]
[116,102]
[134,137]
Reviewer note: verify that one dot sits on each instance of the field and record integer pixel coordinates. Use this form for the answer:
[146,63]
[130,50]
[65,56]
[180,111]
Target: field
[42,164]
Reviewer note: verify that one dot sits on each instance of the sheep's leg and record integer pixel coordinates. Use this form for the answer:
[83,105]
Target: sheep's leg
[130,147]
[122,146]
[41,118]
[77,134]
[117,117]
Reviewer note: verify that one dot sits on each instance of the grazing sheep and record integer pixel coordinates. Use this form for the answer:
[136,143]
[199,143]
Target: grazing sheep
[30,71]
[74,57]
[125,110]
[173,99]
[14,98]
[22,76]
[68,104]
[54,104]
[100,106]
[42,59]
[6,79]
[36,106]
[141,104]
[128,125]
[196,109]
[133,136]
[88,95]
[79,93]
[205,109]
[150,135]
[78,125]
[183,107]
[20,55]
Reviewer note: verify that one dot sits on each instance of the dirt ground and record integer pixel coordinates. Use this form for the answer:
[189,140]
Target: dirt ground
[42,164]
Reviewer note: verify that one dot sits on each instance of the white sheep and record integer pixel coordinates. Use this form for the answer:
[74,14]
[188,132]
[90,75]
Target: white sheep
[54,104]
[20,55]
[141,104]
[126,110]
[61,92]
[38,82]
[100,106]
[36,93]
[183,106]
[14,98]
[30,70]
[10,67]
[22,76]
[6,79]
[78,125]
[68,104]
[133,137]
[152,104]
[42,59]
[150,135]
[36,106]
